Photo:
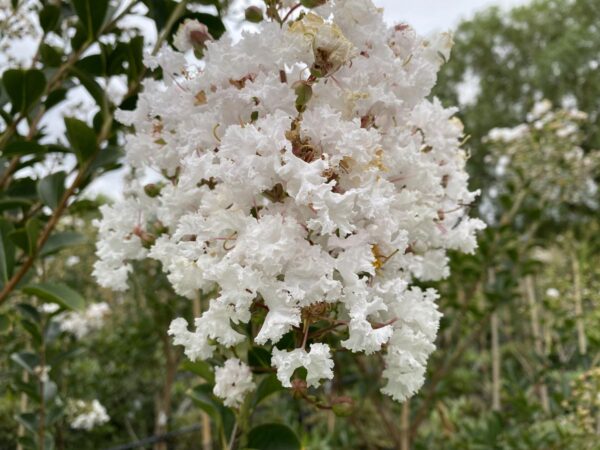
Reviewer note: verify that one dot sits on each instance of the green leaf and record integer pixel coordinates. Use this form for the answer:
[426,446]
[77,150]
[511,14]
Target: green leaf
[27,360]
[49,16]
[81,137]
[91,13]
[24,88]
[55,412]
[92,86]
[21,148]
[203,398]
[94,65]
[4,323]
[30,388]
[29,421]
[51,56]
[14,203]
[56,293]
[29,312]
[51,189]
[273,436]
[55,97]
[200,368]
[61,240]
[267,386]
[259,357]
[108,158]
[33,329]
[26,237]
[7,251]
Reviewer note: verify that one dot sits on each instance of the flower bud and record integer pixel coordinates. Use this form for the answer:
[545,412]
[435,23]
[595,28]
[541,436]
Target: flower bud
[254,14]
[153,189]
[192,34]
[298,388]
[303,95]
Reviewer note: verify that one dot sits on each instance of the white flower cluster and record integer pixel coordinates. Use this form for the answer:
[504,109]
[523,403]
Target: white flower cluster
[305,177]
[82,323]
[232,382]
[546,155]
[87,415]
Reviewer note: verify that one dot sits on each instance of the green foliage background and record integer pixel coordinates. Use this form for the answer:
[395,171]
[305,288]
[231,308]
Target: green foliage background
[515,368]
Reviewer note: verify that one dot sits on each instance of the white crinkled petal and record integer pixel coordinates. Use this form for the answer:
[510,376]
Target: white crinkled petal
[317,362]
[233,382]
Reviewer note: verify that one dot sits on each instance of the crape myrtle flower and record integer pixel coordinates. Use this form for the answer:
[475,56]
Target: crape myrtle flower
[305,177]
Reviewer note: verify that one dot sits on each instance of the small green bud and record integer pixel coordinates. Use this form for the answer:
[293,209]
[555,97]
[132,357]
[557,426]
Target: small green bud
[152,190]
[254,14]
[303,95]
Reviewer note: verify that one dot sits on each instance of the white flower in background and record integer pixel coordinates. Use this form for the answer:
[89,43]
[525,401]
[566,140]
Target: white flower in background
[48,308]
[539,110]
[545,156]
[293,215]
[82,323]
[508,134]
[43,373]
[86,415]
[552,292]
[233,382]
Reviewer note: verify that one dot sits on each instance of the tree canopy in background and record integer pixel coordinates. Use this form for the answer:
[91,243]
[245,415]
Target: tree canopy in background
[503,62]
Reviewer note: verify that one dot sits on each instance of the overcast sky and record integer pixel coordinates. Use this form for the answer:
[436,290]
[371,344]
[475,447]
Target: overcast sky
[430,15]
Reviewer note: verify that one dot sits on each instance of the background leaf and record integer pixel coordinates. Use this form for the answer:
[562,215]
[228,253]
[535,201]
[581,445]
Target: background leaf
[56,293]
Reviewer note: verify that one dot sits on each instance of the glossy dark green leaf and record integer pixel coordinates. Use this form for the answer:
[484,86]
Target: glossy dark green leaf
[259,357]
[56,293]
[81,137]
[273,436]
[93,65]
[108,158]
[7,251]
[55,97]
[91,14]
[61,240]
[21,148]
[26,237]
[200,368]
[25,187]
[49,16]
[24,88]
[269,385]
[51,189]
[50,56]
[29,421]
[55,412]
[14,203]
[203,398]
[29,312]
[33,329]
[135,55]
[27,360]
